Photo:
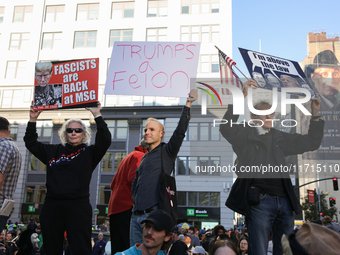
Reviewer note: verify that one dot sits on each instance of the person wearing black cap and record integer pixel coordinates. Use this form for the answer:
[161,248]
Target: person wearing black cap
[178,247]
[325,74]
[157,235]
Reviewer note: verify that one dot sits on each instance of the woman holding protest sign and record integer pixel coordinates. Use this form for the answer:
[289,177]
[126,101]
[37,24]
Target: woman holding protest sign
[69,170]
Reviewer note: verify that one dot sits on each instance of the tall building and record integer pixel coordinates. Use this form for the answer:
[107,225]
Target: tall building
[55,30]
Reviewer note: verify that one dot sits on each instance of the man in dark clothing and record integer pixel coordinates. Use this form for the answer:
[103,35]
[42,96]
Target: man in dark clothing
[99,246]
[178,247]
[32,225]
[145,187]
[267,199]
[11,248]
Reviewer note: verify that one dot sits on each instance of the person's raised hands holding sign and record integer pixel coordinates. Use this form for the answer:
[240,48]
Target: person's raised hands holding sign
[95,110]
[248,84]
[192,97]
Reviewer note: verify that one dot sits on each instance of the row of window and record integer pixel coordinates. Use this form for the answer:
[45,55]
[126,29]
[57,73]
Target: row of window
[195,166]
[15,69]
[88,39]
[119,130]
[126,9]
[206,199]
[37,194]
[205,166]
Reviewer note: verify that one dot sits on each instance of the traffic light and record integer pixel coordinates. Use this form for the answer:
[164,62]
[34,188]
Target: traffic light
[330,202]
[335,183]
[321,214]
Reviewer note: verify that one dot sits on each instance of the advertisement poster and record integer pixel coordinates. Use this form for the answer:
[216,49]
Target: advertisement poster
[66,84]
[272,72]
[152,68]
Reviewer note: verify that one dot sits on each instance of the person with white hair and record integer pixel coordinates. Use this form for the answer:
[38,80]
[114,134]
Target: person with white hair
[69,168]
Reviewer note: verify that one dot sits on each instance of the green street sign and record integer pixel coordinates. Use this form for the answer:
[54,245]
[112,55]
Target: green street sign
[31,208]
[190,212]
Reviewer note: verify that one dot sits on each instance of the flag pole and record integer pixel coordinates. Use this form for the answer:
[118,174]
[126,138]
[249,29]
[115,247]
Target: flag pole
[235,66]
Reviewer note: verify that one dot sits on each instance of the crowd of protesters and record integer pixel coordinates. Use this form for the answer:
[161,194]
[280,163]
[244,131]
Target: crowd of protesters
[216,241]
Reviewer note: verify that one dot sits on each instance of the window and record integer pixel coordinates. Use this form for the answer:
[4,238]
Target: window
[35,194]
[15,98]
[209,64]
[122,10]
[2,12]
[104,194]
[15,69]
[203,33]
[23,13]
[85,39]
[200,6]
[54,13]
[51,40]
[118,129]
[202,132]
[35,164]
[157,8]
[120,35]
[111,161]
[14,131]
[198,166]
[19,41]
[44,129]
[156,34]
[87,12]
[205,199]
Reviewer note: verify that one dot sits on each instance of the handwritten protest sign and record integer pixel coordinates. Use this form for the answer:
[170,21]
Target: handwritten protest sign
[66,84]
[272,72]
[152,68]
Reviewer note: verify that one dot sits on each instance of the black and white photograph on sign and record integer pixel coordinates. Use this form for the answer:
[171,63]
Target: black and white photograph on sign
[261,82]
[45,93]
[273,72]
[50,94]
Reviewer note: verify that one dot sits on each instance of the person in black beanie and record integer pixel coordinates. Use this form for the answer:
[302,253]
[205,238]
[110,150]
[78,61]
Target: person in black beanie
[69,168]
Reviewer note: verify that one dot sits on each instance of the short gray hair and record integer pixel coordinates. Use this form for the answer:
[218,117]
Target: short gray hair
[258,105]
[43,66]
[63,134]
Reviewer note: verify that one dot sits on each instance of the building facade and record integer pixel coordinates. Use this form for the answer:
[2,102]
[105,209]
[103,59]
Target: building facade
[56,30]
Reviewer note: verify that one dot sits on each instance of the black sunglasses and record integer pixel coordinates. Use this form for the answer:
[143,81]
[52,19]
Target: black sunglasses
[77,130]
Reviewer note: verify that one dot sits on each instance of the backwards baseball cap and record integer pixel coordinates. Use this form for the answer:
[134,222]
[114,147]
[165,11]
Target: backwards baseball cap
[161,219]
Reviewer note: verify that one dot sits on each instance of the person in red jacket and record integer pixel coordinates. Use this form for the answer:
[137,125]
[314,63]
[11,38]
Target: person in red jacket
[120,203]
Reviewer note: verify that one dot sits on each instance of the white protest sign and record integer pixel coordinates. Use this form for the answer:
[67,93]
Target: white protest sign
[152,68]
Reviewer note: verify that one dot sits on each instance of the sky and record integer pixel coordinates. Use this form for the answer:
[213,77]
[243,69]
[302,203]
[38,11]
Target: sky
[281,25]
